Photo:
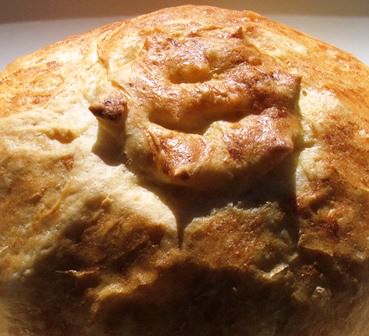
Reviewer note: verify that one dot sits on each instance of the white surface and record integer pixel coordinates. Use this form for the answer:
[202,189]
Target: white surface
[350,33]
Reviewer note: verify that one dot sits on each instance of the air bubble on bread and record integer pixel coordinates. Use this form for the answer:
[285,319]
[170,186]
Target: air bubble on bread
[188,88]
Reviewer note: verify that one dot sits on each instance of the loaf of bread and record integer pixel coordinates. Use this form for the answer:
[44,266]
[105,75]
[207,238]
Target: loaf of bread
[191,172]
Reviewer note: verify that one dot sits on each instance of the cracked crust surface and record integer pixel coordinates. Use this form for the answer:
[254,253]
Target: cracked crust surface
[194,171]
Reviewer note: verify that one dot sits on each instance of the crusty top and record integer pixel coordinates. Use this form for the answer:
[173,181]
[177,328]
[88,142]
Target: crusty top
[154,159]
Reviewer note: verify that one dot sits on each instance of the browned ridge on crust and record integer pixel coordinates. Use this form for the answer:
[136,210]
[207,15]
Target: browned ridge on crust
[194,171]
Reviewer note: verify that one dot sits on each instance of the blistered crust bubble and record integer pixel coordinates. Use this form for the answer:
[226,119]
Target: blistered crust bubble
[205,108]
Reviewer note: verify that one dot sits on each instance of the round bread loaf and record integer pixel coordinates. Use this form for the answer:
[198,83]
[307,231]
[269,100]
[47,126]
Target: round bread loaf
[194,171]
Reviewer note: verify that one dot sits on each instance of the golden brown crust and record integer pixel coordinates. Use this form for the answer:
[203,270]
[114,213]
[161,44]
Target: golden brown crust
[194,171]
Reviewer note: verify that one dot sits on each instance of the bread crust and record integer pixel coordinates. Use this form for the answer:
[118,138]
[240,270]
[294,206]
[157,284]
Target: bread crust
[193,171]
